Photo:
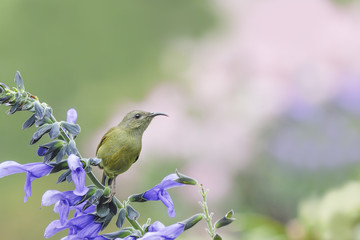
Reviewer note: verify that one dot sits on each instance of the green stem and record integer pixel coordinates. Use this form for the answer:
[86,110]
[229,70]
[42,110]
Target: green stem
[207,215]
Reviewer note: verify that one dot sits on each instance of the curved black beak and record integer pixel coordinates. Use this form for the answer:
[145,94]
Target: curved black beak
[154,114]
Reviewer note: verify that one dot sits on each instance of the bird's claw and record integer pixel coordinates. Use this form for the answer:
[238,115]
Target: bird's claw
[110,197]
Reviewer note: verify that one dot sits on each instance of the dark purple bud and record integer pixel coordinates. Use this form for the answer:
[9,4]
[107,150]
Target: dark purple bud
[41,151]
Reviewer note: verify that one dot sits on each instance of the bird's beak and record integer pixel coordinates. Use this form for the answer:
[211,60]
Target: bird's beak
[154,114]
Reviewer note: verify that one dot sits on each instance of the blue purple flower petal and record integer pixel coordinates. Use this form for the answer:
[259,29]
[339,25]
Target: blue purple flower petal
[77,175]
[33,171]
[71,115]
[159,192]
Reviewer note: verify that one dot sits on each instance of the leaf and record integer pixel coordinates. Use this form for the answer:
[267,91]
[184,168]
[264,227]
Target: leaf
[55,131]
[59,166]
[121,218]
[63,176]
[102,210]
[28,106]
[132,213]
[50,155]
[15,107]
[61,154]
[19,82]
[73,129]
[39,110]
[40,132]
[94,161]
[28,123]
[119,234]
[71,148]
[48,112]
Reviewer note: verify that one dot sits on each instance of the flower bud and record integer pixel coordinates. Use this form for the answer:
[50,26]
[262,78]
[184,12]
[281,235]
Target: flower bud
[217,237]
[185,179]
[190,222]
[226,220]
[4,97]
[137,198]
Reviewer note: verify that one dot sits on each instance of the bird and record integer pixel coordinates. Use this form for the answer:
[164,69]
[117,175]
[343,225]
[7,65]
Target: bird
[120,147]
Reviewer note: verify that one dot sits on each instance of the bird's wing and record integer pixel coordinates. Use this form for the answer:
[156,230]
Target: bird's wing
[103,140]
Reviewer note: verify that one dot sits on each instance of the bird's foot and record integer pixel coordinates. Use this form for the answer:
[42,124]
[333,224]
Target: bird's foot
[110,197]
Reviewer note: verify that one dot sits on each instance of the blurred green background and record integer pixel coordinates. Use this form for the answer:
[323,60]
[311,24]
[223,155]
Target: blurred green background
[264,107]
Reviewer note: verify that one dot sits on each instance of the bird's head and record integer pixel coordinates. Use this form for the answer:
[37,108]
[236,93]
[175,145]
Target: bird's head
[138,120]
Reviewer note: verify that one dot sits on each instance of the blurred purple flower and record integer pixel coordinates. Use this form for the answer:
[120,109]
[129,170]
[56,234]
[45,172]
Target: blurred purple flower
[159,192]
[63,202]
[33,171]
[80,227]
[157,231]
[127,238]
[77,175]
[71,116]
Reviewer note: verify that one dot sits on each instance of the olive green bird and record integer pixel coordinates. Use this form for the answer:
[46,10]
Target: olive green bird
[120,147]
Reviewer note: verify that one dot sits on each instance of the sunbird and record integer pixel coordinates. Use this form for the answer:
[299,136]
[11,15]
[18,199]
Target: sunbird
[120,147]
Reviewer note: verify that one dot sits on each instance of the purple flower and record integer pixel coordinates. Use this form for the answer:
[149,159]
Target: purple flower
[127,238]
[80,227]
[157,231]
[71,115]
[41,151]
[159,192]
[63,202]
[33,171]
[77,175]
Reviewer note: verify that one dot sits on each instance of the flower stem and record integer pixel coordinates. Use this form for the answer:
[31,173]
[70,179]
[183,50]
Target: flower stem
[207,215]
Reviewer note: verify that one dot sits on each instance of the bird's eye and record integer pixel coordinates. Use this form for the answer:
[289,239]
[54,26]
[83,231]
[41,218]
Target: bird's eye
[137,116]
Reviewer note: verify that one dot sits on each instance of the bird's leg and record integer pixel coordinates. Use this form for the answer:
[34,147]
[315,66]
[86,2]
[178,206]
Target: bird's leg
[112,184]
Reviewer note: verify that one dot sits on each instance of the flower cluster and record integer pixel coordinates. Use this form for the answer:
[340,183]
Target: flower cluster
[92,209]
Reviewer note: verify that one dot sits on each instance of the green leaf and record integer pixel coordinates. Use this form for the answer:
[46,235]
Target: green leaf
[57,167]
[55,131]
[39,110]
[28,123]
[121,218]
[119,234]
[132,213]
[102,210]
[19,82]
[73,129]
[40,132]
[63,176]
